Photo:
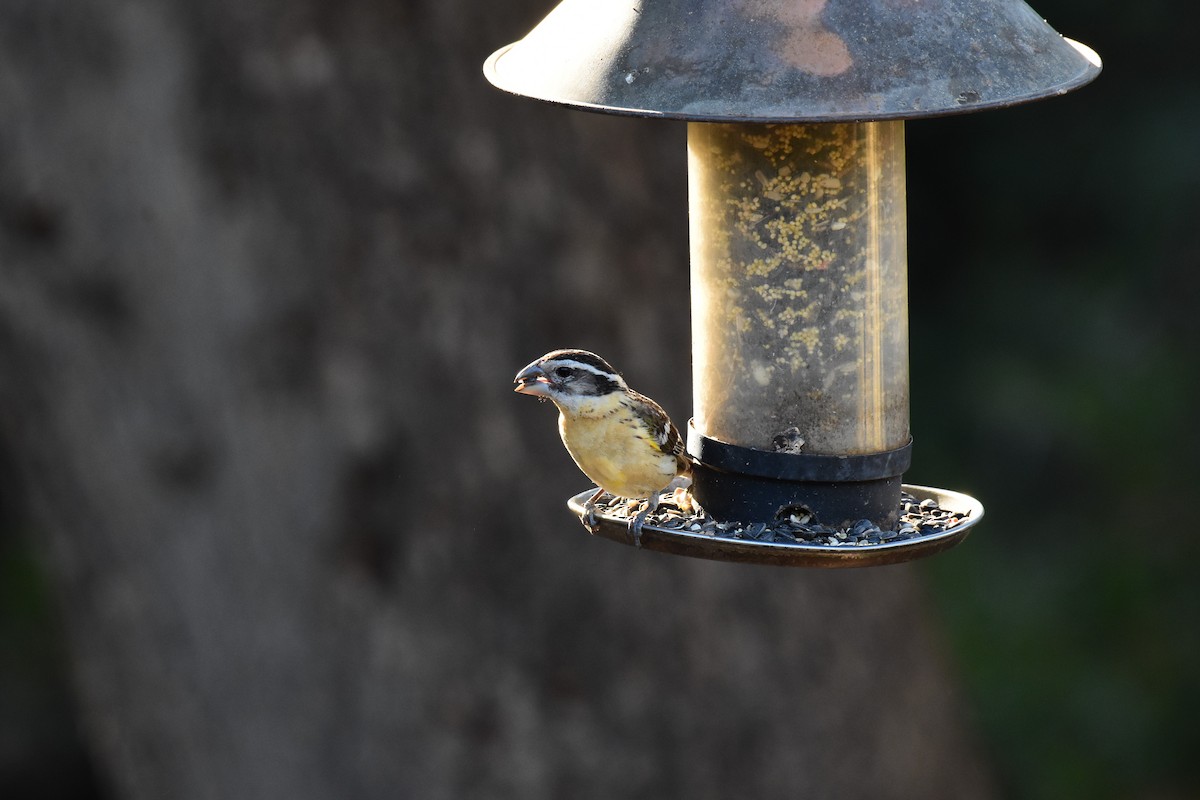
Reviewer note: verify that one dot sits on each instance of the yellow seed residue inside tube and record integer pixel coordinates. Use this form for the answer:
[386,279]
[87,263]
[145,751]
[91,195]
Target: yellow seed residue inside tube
[799,284]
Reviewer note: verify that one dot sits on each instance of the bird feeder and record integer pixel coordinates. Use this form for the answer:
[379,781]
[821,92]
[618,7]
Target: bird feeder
[795,136]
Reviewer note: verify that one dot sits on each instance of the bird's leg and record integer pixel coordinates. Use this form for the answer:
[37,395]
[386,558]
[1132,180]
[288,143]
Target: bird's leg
[589,512]
[679,482]
[635,524]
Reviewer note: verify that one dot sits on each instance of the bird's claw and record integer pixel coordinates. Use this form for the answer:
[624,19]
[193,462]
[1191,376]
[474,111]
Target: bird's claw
[635,527]
[636,523]
[588,518]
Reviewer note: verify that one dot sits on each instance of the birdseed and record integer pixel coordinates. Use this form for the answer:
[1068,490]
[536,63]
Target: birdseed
[918,518]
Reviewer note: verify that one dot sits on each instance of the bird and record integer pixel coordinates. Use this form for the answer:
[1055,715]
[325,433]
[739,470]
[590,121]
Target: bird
[622,440]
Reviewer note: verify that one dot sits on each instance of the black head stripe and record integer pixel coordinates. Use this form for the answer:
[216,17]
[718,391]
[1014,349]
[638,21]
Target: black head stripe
[587,379]
[582,357]
[604,385]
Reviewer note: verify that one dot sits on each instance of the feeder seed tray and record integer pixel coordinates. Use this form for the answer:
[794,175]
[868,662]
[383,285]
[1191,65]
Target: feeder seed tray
[737,542]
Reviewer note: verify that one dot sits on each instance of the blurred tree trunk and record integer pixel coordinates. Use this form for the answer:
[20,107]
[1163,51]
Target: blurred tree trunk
[268,269]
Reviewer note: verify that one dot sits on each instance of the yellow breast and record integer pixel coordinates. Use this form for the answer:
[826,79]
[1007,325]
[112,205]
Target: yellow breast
[615,450]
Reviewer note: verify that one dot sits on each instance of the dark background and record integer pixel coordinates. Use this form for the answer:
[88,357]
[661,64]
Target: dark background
[1053,273]
[1053,263]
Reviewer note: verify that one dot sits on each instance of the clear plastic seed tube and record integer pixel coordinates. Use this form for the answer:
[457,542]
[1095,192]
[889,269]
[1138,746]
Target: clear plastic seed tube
[799,285]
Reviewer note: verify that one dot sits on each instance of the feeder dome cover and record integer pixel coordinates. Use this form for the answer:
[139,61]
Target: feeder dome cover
[791,60]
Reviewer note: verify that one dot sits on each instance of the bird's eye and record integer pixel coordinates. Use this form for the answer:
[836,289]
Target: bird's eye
[563,372]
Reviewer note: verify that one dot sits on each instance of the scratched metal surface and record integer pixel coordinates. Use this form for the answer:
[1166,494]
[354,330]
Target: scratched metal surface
[782,60]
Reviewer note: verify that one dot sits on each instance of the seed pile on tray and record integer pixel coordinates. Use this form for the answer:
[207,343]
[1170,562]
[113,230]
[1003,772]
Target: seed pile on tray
[676,512]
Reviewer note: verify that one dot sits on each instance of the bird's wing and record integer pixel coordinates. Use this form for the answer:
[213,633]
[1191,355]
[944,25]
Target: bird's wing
[662,432]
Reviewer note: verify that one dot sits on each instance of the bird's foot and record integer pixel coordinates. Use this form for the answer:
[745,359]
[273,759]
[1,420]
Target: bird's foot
[588,518]
[636,523]
[635,526]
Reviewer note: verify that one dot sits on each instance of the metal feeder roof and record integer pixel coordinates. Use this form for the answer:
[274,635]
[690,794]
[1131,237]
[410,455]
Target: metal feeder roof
[791,60]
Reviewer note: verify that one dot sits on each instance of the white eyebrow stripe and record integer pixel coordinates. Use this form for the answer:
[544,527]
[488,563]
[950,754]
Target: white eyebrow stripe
[573,364]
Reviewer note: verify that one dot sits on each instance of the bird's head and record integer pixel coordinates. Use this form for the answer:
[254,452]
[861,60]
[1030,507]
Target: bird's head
[573,379]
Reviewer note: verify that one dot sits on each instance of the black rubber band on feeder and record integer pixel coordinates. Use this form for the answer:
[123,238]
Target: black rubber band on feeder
[741,483]
[797,466]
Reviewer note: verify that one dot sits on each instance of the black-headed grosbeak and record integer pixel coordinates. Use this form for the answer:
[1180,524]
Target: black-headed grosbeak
[621,439]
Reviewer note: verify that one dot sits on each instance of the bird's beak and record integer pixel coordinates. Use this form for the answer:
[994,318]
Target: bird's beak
[532,380]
